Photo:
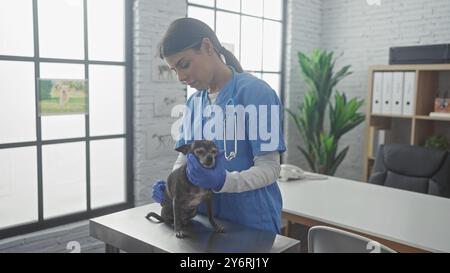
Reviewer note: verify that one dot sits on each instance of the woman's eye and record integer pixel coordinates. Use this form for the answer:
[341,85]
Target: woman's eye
[185,65]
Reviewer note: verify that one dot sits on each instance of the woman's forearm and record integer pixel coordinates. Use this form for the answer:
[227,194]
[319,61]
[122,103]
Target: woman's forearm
[263,173]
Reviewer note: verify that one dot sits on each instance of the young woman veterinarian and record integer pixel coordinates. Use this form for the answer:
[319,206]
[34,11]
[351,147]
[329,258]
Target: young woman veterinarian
[244,178]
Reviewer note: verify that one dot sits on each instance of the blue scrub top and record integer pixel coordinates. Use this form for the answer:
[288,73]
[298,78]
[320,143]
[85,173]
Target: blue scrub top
[259,208]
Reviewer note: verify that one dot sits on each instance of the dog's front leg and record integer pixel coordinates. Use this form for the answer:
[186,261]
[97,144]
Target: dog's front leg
[217,228]
[177,223]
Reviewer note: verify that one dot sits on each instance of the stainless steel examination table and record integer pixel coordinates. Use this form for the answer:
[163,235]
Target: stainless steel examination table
[130,231]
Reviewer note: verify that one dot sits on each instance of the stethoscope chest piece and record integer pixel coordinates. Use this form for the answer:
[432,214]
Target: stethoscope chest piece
[232,155]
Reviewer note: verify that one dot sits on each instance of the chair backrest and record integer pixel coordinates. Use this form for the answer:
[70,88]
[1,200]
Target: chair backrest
[412,168]
[323,239]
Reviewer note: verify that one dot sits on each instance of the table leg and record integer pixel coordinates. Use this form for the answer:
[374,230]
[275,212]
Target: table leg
[111,249]
[287,230]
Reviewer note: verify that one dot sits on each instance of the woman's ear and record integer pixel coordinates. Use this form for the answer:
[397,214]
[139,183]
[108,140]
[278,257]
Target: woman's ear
[207,45]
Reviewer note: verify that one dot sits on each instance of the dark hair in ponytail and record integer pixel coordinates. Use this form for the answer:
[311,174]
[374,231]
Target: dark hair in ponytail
[185,33]
[230,59]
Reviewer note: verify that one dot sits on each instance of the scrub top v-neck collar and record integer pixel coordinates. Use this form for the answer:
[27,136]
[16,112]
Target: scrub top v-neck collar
[227,91]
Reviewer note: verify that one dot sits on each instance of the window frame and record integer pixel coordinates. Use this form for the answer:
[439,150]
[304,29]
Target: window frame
[283,22]
[38,143]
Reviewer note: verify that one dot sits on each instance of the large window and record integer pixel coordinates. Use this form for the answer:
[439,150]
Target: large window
[251,29]
[63,167]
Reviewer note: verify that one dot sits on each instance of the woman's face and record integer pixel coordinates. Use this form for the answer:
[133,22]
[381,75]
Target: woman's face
[193,67]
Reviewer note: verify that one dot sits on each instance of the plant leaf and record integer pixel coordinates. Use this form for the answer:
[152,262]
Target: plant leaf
[317,70]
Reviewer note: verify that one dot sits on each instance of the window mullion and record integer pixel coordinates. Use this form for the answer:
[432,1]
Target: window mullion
[86,123]
[38,118]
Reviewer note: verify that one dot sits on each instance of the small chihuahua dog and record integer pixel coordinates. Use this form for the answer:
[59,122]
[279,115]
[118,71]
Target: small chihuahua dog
[181,197]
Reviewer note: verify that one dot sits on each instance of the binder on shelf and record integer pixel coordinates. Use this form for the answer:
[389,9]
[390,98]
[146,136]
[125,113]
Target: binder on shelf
[386,107]
[397,93]
[409,93]
[377,92]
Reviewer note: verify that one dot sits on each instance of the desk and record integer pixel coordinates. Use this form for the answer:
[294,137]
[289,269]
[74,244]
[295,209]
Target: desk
[130,231]
[403,220]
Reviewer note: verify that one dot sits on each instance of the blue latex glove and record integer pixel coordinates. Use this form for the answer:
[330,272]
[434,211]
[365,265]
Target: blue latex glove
[213,178]
[158,191]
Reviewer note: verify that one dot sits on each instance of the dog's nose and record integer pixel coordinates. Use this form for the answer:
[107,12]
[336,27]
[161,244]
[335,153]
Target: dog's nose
[209,159]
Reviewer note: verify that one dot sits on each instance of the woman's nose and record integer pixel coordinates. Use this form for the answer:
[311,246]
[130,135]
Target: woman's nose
[182,77]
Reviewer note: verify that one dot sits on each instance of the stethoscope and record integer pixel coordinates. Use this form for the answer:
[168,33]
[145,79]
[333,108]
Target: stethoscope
[232,154]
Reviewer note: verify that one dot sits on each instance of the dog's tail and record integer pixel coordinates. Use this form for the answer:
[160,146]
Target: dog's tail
[158,218]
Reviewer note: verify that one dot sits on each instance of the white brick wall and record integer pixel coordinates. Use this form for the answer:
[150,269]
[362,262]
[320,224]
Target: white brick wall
[303,34]
[363,34]
[153,147]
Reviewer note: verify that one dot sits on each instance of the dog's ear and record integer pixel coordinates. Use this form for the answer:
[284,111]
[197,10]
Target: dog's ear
[184,149]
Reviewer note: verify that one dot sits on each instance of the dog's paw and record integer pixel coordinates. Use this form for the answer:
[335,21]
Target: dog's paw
[180,234]
[219,229]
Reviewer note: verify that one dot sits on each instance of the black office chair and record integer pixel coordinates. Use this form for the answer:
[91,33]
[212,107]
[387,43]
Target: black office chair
[413,168]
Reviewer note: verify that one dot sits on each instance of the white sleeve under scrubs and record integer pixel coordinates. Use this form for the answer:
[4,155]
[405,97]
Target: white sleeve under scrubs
[265,170]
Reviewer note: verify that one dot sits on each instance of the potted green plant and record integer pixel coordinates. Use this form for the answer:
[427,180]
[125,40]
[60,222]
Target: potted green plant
[437,142]
[321,144]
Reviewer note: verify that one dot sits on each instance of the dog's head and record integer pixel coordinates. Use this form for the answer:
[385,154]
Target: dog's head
[204,150]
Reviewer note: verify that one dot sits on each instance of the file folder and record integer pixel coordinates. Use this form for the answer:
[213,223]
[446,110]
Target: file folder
[397,93]
[377,92]
[386,107]
[409,93]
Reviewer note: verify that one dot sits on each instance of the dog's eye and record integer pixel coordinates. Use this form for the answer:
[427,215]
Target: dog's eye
[214,152]
[199,151]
